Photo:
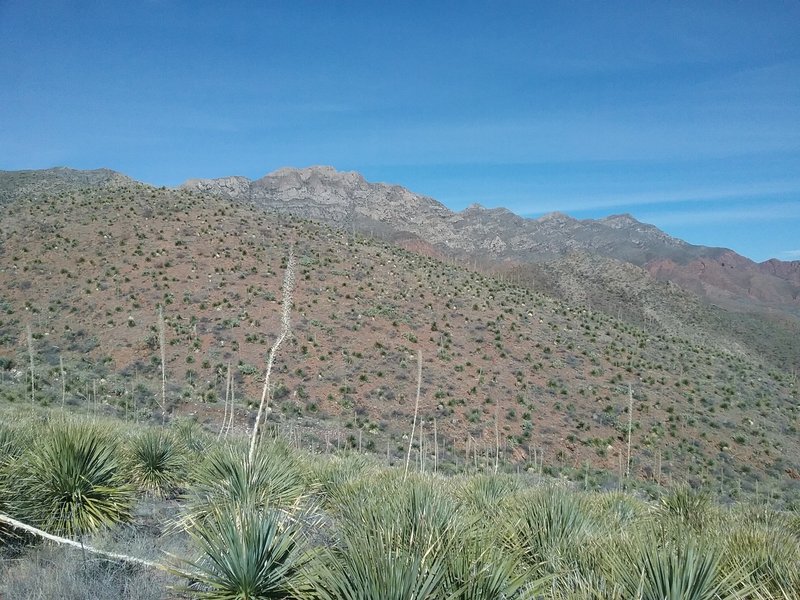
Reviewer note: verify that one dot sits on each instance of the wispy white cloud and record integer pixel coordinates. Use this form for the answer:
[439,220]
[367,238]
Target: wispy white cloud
[773,211]
[630,202]
[791,254]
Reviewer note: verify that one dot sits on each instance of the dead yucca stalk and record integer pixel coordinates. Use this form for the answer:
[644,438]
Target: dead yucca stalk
[162,347]
[288,286]
[29,336]
[416,412]
[227,396]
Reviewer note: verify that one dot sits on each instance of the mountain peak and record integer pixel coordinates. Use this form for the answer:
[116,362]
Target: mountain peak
[555,217]
[321,172]
[620,220]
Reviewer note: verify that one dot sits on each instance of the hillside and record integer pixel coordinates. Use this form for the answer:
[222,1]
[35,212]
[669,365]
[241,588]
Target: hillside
[86,264]
[347,200]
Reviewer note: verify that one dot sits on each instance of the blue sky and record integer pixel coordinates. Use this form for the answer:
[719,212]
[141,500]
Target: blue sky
[685,114]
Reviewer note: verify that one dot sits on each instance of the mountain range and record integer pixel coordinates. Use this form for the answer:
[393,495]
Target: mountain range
[347,200]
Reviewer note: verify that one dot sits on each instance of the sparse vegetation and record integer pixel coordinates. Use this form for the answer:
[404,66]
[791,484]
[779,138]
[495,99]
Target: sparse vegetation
[542,478]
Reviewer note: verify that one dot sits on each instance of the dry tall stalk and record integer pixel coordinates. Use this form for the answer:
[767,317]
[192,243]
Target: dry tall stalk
[496,443]
[231,412]
[630,427]
[60,540]
[435,448]
[227,395]
[63,381]
[30,354]
[416,411]
[422,446]
[162,344]
[288,286]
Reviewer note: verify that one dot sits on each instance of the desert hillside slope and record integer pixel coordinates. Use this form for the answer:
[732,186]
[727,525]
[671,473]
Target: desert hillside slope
[85,262]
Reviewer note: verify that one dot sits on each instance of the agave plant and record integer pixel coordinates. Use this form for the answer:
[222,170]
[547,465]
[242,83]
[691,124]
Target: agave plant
[72,482]
[248,553]
[156,462]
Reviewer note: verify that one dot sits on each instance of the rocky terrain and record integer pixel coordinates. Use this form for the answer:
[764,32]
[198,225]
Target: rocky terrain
[535,356]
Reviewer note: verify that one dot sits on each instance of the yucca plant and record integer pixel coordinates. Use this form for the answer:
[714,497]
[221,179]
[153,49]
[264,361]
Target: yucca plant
[616,510]
[477,569]
[417,511]
[249,553]
[191,435]
[688,507]
[769,553]
[372,566]
[393,539]
[337,475]
[12,446]
[156,462]
[227,478]
[550,527]
[71,482]
[678,572]
[483,494]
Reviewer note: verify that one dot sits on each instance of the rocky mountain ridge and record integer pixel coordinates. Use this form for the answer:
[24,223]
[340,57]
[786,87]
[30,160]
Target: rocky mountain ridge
[16,183]
[346,200]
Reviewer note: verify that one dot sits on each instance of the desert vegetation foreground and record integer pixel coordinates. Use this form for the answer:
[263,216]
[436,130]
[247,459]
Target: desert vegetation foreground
[287,523]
